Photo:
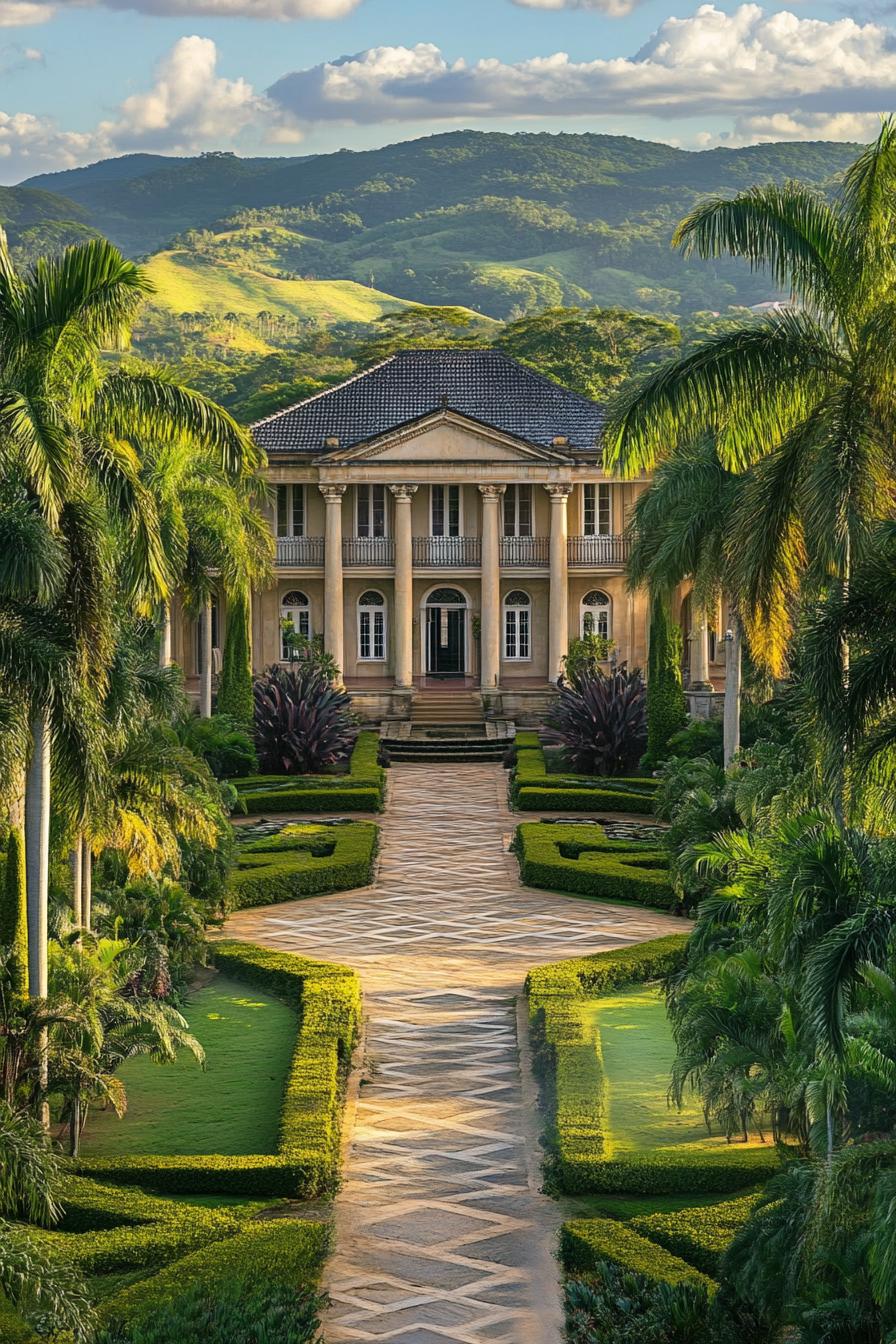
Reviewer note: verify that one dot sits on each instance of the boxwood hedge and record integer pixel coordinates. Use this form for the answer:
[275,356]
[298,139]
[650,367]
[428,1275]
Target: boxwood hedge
[586,1241]
[284,1251]
[699,1235]
[566,1049]
[360,790]
[532,789]
[302,861]
[306,1164]
[583,861]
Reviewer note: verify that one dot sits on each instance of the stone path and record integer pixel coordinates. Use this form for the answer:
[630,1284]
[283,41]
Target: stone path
[442,1236]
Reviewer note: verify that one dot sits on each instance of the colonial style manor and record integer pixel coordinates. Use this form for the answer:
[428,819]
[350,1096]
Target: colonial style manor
[445,518]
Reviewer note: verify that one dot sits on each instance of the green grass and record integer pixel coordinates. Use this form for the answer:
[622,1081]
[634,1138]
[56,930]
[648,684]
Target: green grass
[638,1052]
[189,282]
[232,1107]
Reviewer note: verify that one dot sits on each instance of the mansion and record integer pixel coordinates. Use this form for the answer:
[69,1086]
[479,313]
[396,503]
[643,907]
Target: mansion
[444,519]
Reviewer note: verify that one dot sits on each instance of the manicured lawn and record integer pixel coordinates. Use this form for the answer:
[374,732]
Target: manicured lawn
[638,1052]
[231,1107]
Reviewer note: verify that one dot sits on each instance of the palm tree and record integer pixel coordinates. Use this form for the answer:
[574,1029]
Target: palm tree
[680,529]
[68,425]
[804,398]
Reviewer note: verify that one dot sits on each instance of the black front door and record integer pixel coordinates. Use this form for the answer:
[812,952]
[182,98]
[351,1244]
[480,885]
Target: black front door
[445,641]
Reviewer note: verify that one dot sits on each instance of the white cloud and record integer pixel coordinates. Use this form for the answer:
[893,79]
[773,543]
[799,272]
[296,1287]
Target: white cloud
[21,13]
[188,108]
[615,9]
[745,64]
[859,126]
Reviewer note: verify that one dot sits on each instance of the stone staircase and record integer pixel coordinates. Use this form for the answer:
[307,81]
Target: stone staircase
[448,732]
[452,708]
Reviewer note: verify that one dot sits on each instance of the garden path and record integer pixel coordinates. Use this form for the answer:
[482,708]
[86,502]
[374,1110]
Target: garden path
[442,1234]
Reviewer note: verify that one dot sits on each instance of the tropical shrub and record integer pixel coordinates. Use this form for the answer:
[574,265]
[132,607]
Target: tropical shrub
[224,743]
[585,655]
[239,1312]
[617,1305]
[303,724]
[601,722]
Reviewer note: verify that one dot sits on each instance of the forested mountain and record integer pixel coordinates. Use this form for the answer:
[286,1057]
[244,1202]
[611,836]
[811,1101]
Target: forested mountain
[500,223]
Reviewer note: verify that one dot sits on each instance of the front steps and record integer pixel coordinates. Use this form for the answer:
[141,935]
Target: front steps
[447,742]
[447,708]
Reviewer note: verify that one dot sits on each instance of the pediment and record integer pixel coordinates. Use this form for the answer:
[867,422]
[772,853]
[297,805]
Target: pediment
[445,436]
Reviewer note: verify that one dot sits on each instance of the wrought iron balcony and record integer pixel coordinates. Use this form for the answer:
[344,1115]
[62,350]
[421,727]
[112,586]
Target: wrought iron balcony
[300,551]
[597,552]
[446,552]
[368,551]
[525,551]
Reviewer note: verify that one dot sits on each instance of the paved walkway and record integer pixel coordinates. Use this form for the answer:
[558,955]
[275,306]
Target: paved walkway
[442,1236]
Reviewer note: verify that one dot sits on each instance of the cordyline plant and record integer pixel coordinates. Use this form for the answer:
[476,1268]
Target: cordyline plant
[601,722]
[303,724]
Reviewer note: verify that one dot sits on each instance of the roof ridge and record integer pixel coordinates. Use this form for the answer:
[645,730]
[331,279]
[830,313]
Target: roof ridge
[508,359]
[324,392]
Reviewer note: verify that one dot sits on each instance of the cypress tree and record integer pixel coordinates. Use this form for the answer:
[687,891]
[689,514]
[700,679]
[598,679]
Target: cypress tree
[14,913]
[235,689]
[666,711]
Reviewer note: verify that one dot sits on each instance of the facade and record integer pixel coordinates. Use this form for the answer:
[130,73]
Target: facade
[444,518]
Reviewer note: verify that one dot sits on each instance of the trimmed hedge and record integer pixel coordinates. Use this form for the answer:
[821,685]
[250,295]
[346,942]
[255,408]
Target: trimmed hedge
[699,1235]
[286,1251]
[306,1164]
[360,790]
[532,789]
[308,862]
[567,1055]
[561,858]
[584,1242]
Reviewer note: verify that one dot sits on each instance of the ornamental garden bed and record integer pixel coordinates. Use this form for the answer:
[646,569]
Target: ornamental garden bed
[582,860]
[360,789]
[533,789]
[287,862]
[669,1197]
[304,1161]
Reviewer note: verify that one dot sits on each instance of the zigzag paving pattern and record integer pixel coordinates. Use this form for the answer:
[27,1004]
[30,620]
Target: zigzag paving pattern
[442,1235]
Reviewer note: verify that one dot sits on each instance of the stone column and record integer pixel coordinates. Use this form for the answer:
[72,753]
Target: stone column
[334,615]
[205,660]
[490,631]
[404,586]
[558,627]
[165,658]
[699,652]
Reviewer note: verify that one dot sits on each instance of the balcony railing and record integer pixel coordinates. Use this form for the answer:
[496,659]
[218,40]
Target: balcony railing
[368,551]
[594,552]
[522,551]
[298,551]
[446,552]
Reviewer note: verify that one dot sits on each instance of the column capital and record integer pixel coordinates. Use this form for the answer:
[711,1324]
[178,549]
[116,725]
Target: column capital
[492,491]
[332,493]
[559,490]
[404,492]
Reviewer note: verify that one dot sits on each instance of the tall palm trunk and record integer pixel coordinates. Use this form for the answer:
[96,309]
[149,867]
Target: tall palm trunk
[37,870]
[77,867]
[37,853]
[86,884]
[165,658]
[74,1124]
[733,679]
[205,663]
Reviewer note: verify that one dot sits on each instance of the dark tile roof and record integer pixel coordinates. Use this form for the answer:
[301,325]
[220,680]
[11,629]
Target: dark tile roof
[483,385]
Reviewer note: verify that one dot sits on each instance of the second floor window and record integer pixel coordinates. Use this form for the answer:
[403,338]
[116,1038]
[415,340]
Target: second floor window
[597,518]
[518,511]
[371,517]
[290,510]
[445,510]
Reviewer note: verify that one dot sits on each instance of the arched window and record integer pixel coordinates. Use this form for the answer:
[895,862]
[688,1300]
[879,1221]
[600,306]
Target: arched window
[446,597]
[517,625]
[596,614]
[295,610]
[372,627]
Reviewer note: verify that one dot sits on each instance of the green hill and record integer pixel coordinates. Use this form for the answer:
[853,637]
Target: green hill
[500,223]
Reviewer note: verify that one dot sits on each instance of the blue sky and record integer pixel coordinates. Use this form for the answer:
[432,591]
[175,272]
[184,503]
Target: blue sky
[79,81]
